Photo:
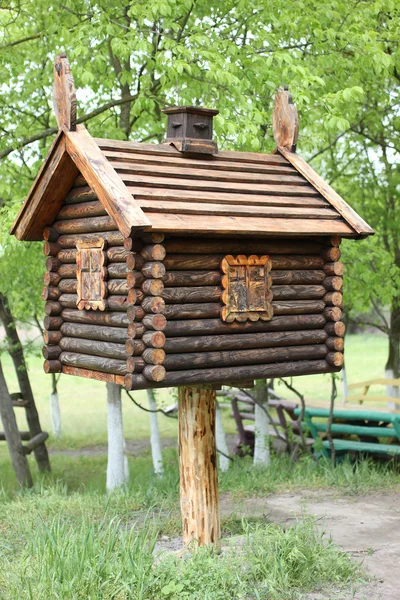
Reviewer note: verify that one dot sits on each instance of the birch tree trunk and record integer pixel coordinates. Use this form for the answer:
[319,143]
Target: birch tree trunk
[117,465]
[221,440]
[155,441]
[261,434]
[55,414]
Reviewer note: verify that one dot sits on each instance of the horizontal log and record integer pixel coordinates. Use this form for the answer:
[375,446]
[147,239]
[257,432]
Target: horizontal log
[153,270]
[133,244]
[113,238]
[153,287]
[335,240]
[94,317]
[336,329]
[94,363]
[81,194]
[191,278]
[226,358]
[52,264]
[154,356]
[135,364]
[50,234]
[191,294]
[333,299]
[205,310]
[67,256]
[87,225]
[153,252]
[184,262]
[118,287]
[92,208]
[134,261]
[114,303]
[312,276]
[51,352]
[67,271]
[53,308]
[134,347]
[155,322]
[52,337]
[94,347]
[96,375]
[154,305]
[334,268]
[52,323]
[68,286]
[297,292]
[136,330]
[52,366]
[152,238]
[335,343]
[154,372]
[80,181]
[336,359]
[297,307]
[135,313]
[235,246]
[231,374]
[117,271]
[51,248]
[332,313]
[154,339]
[334,283]
[50,293]
[51,279]
[330,254]
[117,254]
[216,326]
[95,332]
[24,435]
[245,340]
[134,279]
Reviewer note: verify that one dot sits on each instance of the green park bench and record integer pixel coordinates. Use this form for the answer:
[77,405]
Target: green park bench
[368,426]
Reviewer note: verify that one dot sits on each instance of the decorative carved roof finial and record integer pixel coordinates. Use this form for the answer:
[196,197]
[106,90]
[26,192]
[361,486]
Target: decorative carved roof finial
[64,97]
[285,122]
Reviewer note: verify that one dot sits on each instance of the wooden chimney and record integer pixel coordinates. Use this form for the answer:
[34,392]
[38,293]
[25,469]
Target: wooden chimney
[190,129]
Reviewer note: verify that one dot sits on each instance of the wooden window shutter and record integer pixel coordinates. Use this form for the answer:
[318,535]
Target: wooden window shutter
[91,275]
[246,283]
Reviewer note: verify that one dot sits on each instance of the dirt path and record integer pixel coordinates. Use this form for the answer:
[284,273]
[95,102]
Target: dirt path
[367,527]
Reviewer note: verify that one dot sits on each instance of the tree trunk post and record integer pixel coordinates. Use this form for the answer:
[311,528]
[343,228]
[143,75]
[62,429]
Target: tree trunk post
[261,432]
[117,472]
[55,414]
[13,437]
[198,466]
[155,441]
[17,355]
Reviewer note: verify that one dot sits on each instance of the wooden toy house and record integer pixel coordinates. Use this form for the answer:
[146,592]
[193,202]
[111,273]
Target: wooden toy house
[182,264]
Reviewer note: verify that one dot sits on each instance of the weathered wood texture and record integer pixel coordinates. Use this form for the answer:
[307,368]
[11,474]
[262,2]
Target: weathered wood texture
[165,295]
[198,466]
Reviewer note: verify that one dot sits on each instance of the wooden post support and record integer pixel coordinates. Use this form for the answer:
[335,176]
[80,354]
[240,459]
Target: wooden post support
[198,466]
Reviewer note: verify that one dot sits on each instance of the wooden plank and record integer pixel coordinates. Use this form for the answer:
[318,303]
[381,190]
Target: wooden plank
[88,374]
[217,164]
[281,189]
[216,196]
[180,223]
[350,215]
[168,150]
[161,206]
[207,174]
[102,178]
[378,381]
[47,193]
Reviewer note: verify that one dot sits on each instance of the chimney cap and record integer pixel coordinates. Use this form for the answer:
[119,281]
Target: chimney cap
[196,110]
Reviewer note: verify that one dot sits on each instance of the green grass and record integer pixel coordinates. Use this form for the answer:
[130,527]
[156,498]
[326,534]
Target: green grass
[91,546]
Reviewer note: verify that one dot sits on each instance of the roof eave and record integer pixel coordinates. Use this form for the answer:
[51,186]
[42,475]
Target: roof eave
[361,228]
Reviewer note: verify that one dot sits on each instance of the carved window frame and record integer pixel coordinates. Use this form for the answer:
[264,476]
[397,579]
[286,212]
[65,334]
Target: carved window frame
[86,250]
[255,305]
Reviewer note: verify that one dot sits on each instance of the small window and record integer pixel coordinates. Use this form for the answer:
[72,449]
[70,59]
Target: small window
[91,275]
[246,283]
